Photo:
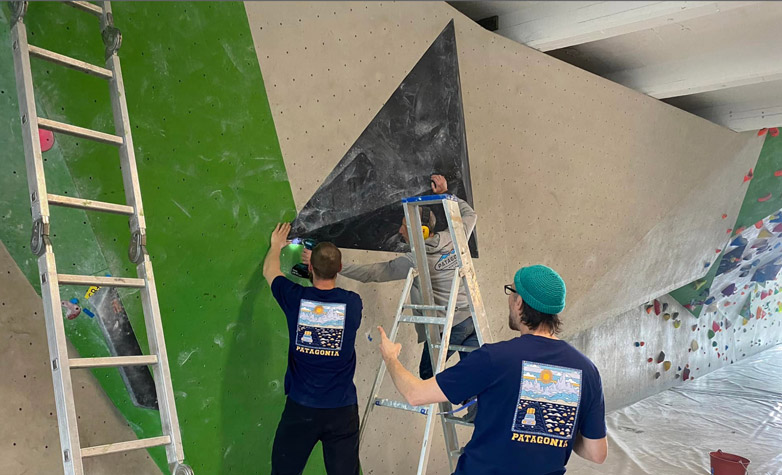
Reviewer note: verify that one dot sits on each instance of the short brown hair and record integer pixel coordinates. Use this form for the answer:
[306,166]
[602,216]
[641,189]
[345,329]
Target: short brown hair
[326,260]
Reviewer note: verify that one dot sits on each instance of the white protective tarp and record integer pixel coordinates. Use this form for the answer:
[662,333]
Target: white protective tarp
[737,409]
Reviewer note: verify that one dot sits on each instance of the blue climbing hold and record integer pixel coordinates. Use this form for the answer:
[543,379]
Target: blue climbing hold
[75,301]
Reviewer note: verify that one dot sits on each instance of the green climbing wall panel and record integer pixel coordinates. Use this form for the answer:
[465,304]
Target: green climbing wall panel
[213,184]
[766,180]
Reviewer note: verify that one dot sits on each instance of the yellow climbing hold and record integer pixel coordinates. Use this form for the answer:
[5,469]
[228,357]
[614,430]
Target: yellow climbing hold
[667,365]
[677,323]
[666,316]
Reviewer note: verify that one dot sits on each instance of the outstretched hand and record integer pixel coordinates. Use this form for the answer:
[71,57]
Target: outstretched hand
[439,185]
[388,348]
[279,237]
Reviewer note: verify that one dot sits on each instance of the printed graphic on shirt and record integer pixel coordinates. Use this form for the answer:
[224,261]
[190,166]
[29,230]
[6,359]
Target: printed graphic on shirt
[447,261]
[547,408]
[320,328]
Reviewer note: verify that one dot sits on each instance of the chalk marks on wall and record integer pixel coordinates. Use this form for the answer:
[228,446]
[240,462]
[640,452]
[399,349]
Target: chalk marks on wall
[418,132]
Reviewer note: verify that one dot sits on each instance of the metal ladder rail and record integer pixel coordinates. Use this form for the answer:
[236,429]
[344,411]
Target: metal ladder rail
[41,245]
[463,275]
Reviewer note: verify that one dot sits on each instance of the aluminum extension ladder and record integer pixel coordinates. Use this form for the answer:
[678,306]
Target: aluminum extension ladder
[463,275]
[40,200]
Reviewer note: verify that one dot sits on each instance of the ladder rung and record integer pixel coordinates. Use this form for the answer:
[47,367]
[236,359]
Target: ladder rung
[424,307]
[425,320]
[86,7]
[90,205]
[69,62]
[88,280]
[464,349]
[77,131]
[451,419]
[401,405]
[113,361]
[125,446]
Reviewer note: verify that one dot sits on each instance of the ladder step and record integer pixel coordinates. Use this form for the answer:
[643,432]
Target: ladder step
[89,205]
[69,62]
[425,320]
[113,361]
[464,349]
[86,7]
[125,446]
[401,405]
[81,132]
[424,307]
[89,280]
[451,419]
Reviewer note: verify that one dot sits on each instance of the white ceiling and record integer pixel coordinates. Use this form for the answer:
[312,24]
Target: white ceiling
[719,60]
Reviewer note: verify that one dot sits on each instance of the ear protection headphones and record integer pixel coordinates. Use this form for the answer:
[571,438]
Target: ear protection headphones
[426,216]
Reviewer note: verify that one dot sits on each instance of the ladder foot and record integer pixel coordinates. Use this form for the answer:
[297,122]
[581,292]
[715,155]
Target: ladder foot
[182,469]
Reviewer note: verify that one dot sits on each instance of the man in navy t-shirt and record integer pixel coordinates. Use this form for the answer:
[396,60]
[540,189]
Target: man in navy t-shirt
[322,324]
[539,398]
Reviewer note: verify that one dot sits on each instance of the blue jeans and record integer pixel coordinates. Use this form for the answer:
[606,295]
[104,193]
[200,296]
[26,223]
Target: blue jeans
[462,334]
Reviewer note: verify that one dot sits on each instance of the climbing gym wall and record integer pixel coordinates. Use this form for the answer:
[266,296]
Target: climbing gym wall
[620,193]
[213,184]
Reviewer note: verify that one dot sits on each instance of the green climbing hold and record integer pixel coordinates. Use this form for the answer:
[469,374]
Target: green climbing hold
[711,334]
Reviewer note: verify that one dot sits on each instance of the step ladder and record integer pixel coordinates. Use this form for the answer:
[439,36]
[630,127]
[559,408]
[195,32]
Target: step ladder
[427,314]
[41,246]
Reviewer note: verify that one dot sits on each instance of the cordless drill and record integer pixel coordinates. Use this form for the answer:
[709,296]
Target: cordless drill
[301,269]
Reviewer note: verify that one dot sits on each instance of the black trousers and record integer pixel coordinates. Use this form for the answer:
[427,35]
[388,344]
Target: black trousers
[302,427]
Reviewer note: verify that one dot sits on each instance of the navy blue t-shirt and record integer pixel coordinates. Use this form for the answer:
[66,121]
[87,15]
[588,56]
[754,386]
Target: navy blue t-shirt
[534,395]
[322,326]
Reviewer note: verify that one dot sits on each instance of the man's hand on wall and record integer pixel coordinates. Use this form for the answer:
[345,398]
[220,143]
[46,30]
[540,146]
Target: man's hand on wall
[279,237]
[439,185]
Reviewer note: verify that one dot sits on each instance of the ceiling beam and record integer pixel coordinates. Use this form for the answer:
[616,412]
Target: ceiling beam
[546,26]
[711,72]
[745,116]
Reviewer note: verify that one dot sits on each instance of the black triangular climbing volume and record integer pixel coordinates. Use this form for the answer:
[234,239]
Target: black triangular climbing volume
[418,132]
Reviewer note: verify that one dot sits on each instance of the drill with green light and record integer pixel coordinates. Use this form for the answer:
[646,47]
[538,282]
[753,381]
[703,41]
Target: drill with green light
[301,269]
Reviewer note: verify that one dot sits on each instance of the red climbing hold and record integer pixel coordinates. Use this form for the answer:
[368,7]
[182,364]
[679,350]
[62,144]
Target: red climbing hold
[740,230]
[657,307]
[724,215]
[778,173]
[729,230]
[762,132]
[715,327]
[748,176]
[774,131]
[764,198]
[47,139]
[759,224]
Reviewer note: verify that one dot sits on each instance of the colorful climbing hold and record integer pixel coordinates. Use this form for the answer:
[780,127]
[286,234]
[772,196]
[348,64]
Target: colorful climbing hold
[764,198]
[657,375]
[759,224]
[774,131]
[649,360]
[665,306]
[46,138]
[661,357]
[667,365]
[642,343]
[711,334]
[715,326]
[677,323]
[686,374]
[637,344]
[666,316]
[724,215]
[657,307]
[693,345]
[748,176]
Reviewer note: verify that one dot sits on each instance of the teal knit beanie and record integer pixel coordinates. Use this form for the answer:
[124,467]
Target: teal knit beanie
[542,288]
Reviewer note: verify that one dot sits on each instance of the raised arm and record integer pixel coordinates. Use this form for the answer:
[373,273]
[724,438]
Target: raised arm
[279,239]
[379,272]
[469,217]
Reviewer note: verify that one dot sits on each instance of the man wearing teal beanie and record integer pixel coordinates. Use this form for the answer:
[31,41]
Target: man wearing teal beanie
[539,398]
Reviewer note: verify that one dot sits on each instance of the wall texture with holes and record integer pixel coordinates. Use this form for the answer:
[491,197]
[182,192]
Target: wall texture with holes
[568,169]
[213,184]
